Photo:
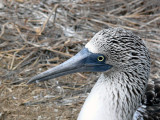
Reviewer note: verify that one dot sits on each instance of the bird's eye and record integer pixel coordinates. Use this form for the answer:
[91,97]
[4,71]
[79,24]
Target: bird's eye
[100,58]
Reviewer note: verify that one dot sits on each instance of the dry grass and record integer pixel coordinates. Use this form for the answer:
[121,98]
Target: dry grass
[37,35]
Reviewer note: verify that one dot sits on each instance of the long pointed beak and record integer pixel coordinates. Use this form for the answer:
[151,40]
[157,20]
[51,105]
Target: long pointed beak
[78,63]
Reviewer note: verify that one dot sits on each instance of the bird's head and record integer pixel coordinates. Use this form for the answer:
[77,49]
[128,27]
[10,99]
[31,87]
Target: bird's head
[113,48]
[121,49]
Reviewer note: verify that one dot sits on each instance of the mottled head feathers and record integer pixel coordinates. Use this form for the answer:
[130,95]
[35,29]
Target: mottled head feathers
[122,48]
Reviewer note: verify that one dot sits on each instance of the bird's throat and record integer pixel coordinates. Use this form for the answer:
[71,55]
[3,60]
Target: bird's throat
[110,99]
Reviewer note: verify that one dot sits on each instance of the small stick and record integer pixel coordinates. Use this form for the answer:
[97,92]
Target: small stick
[44,25]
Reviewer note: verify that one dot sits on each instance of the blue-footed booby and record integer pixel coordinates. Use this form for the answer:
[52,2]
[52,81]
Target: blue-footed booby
[124,62]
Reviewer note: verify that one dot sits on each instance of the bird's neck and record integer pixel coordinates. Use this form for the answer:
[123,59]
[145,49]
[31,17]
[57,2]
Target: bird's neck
[113,97]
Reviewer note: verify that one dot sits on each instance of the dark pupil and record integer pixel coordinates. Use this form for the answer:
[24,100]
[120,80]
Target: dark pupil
[100,58]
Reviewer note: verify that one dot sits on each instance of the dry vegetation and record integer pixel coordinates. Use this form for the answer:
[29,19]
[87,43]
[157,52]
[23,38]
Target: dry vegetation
[37,35]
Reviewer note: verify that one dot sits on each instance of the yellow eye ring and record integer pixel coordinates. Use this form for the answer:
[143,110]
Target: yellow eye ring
[100,58]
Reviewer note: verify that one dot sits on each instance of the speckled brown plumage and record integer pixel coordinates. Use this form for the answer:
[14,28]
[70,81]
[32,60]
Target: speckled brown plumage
[151,108]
